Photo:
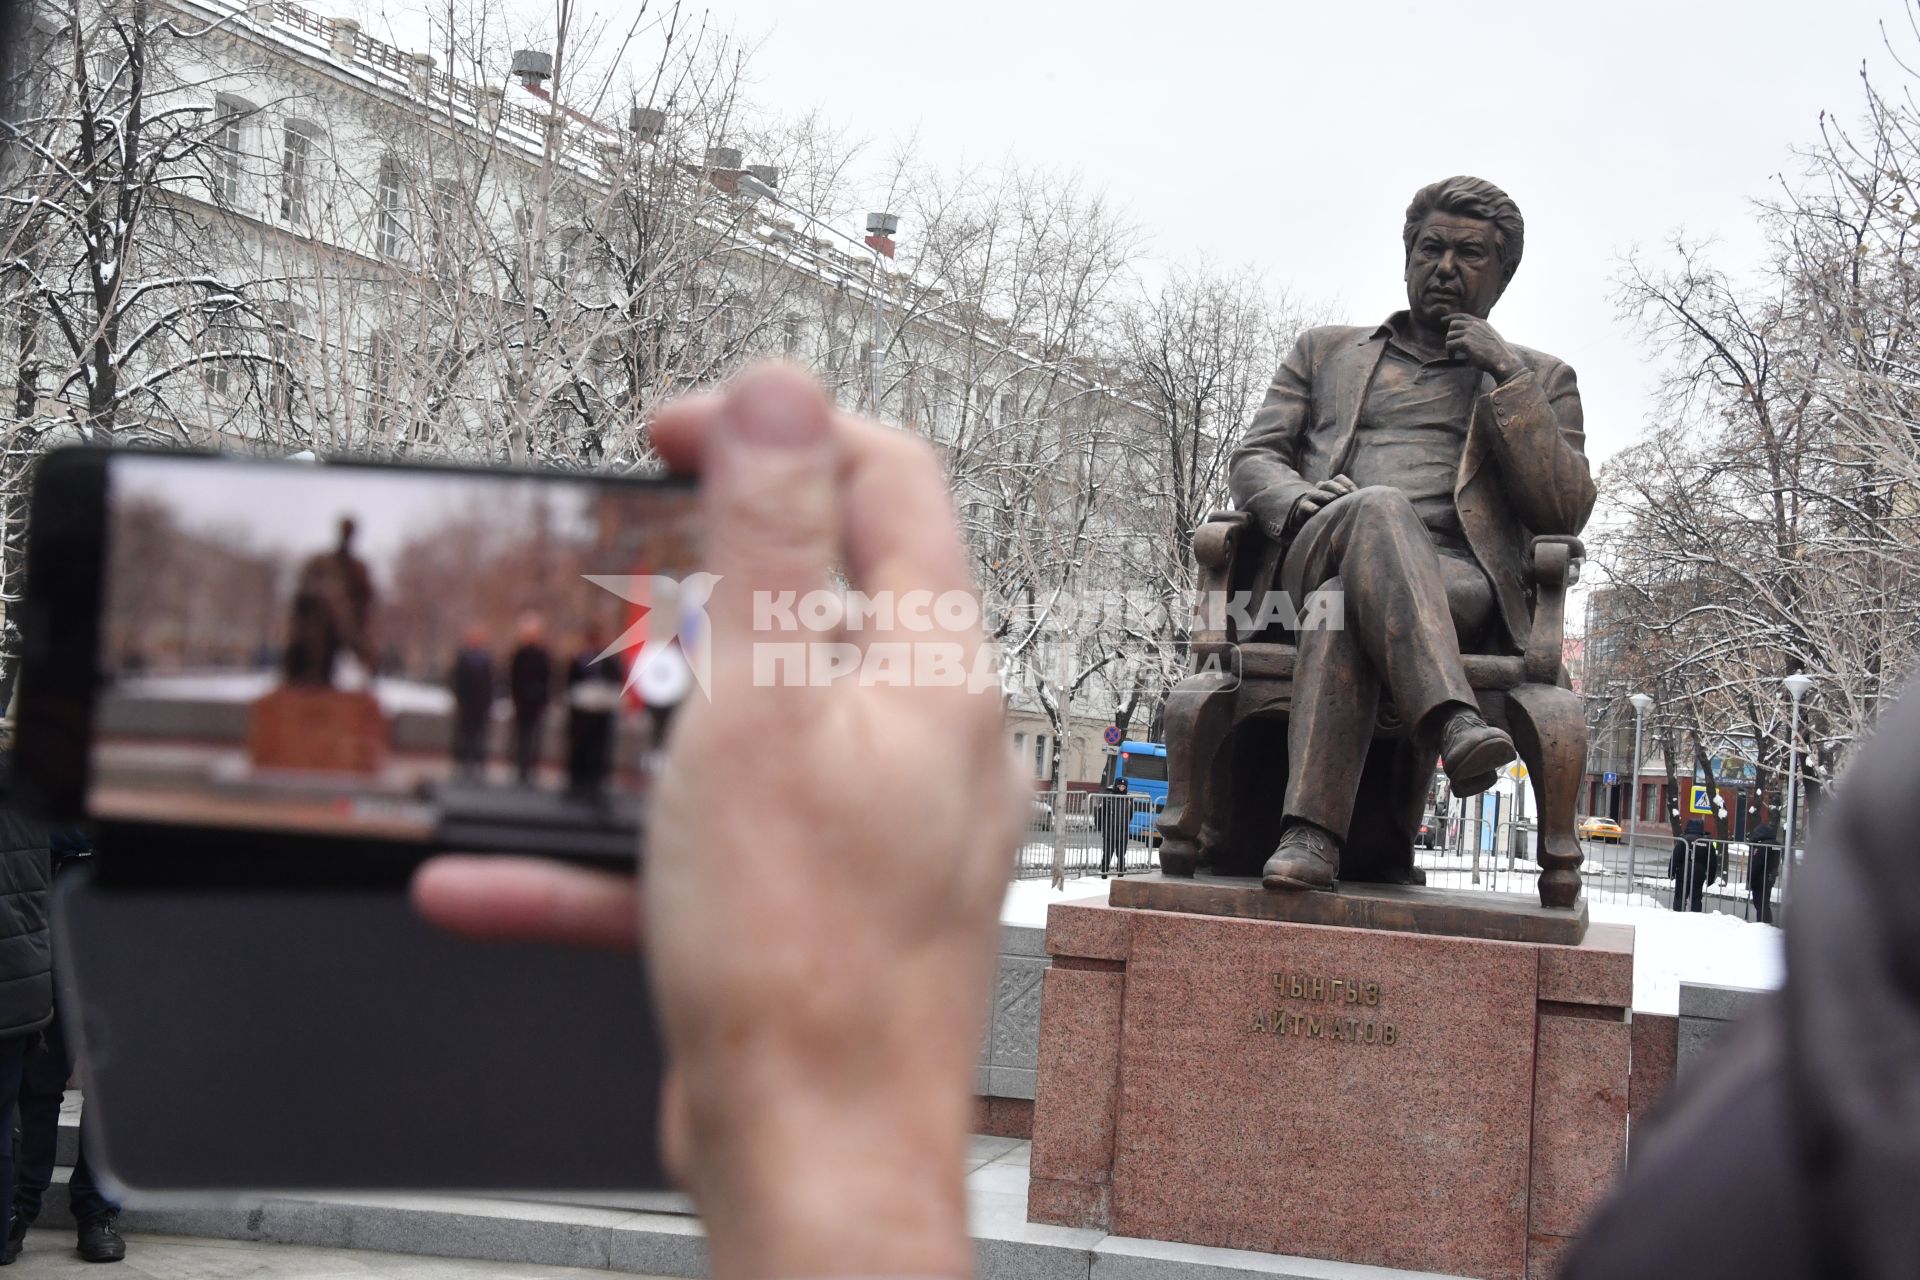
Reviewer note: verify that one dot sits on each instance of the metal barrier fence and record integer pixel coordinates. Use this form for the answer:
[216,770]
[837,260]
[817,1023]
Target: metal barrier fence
[1097,833]
[1499,857]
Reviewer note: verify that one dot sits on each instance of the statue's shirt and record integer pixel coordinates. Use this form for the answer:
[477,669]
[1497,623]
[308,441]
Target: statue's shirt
[1411,431]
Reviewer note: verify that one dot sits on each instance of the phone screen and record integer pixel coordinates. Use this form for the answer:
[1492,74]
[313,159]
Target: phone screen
[389,653]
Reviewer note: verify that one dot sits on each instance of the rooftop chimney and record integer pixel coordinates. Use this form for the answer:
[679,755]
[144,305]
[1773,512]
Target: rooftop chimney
[723,157]
[532,67]
[767,173]
[646,123]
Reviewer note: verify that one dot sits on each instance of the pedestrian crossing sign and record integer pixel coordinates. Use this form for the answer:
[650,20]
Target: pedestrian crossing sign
[1701,801]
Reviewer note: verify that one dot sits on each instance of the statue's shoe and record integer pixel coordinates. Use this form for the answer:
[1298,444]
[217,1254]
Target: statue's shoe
[1472,751]
[1307,858]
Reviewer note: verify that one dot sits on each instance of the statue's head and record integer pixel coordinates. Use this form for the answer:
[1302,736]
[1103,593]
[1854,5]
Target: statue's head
[1463,237]
[346,532]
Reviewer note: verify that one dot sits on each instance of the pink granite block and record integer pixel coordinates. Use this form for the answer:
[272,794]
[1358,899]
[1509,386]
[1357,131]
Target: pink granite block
[1061,1203]
[1078,1086]
[1579,1120]
[1598,971]
[1545,1254]
[1092,931]
[1255,1119]
[1656,1052]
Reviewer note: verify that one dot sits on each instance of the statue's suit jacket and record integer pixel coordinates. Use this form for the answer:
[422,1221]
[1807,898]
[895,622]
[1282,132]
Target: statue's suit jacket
[1523,469]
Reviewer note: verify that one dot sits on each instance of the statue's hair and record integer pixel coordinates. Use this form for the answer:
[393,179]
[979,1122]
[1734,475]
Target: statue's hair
[1471,198]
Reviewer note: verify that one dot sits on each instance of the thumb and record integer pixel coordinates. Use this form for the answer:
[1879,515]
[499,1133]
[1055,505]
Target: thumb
[771,500]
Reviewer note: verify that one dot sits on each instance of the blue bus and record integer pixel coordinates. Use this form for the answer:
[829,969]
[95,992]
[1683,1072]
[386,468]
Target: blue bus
[1144,766]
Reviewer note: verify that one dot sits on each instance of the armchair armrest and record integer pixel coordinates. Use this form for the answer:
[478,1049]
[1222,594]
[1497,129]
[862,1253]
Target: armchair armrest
[1214,541]
[1214,545]
[1557,558]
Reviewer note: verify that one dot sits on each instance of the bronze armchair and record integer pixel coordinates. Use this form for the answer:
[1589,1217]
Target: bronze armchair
[1226,732]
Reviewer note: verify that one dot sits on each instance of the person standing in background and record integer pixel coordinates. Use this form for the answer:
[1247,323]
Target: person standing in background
[593,698]
[530,686]
[26,967]
[1763,865]
[472,681]
[1113,816]
[43,1086]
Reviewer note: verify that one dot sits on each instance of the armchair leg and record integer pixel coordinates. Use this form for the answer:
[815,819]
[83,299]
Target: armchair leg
[1198,714]
[1551,732]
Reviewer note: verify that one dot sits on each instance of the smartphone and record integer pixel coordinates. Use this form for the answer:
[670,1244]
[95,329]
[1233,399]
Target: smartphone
[270,689]
[361,658]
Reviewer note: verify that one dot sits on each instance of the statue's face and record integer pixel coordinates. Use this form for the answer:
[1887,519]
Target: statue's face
[1453,267]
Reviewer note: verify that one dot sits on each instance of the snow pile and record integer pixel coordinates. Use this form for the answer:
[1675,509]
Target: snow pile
[1027,900]
[1669,946]
[1675,946]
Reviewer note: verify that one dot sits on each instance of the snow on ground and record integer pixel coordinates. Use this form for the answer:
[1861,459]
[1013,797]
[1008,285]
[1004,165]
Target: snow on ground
[1694,946]
[1027,900]
[1669,946]
[244,686]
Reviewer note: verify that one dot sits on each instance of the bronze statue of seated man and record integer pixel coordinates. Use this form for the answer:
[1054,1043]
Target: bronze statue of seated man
[1409,466]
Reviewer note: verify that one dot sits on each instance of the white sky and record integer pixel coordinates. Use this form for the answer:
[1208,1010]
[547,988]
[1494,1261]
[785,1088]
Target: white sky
[295,510]
[1287,137]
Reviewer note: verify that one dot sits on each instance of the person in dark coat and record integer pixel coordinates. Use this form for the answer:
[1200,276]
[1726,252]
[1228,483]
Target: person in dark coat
[26,968]
[43,1086]
[593,701]
[1691,866]
[472,683]
[1114,815]
[1763,866]
[530,686]
[1797,1134]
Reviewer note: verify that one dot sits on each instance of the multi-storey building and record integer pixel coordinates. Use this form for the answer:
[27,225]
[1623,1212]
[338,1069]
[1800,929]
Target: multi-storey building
[344,246]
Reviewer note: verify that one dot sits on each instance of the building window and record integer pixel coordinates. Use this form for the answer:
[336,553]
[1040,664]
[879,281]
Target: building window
[383,367]
[223,345]
[448,213]
[390,213]
[280,356]
[1009,409]
[229,142]
[1039,755]
[940,410]
[790,335]
[296,171]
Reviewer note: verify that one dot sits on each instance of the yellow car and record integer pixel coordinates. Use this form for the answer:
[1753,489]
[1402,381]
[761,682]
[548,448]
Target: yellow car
[1598,828]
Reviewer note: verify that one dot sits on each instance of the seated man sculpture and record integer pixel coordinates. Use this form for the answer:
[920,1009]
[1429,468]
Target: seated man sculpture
[1409,466]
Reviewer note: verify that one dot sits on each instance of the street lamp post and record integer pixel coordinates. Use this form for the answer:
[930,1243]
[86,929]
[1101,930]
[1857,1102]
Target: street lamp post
[881,228]
[879,241]
[1640,703]
[1797,685]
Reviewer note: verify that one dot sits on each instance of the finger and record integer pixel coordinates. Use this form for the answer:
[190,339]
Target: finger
[529,899]
[1346,483]
[678,431]
[771,502]
[676,1128]
[901,533]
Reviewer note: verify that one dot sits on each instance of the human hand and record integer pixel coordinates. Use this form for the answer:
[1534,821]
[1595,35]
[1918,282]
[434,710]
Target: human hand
[1472,339]
[1309,503]
[825,868]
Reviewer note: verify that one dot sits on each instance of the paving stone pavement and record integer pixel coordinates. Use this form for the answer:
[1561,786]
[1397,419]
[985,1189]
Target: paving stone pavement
[49,1252]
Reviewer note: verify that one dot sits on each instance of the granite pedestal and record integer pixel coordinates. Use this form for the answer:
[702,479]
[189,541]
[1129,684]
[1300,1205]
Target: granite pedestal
[305,727]
[1395,1098]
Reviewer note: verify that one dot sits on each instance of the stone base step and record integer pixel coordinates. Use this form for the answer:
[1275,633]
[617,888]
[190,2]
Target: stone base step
[657,1234]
